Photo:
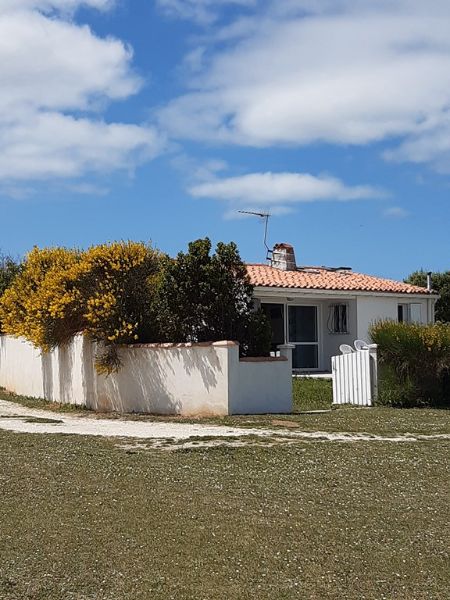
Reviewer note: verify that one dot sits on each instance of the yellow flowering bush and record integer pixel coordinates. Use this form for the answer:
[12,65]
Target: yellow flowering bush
[32,306]
[104,292]
[415,361]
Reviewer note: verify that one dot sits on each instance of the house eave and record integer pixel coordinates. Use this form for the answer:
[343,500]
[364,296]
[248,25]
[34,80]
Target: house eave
[267,291]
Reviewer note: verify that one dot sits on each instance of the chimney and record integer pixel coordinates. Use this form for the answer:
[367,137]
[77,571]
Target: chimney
[429,281]
[283,257]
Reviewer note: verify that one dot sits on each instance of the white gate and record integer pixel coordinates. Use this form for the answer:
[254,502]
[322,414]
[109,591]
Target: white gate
[355,376]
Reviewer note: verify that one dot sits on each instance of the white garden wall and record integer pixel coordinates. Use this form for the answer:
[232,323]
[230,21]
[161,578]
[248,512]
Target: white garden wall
[185,379]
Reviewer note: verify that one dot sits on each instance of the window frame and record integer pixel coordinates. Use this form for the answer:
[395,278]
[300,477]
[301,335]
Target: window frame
[407,316]
[331,322]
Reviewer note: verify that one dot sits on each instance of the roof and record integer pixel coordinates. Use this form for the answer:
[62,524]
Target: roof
[322,278]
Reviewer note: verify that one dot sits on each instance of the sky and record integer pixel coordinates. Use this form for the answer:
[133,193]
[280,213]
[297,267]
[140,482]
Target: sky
[159,120]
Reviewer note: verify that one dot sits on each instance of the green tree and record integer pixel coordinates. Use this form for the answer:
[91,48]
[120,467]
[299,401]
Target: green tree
[441,284]
[208,297]
[9,268]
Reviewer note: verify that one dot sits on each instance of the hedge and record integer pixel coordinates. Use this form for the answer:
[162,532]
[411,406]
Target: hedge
[414,363]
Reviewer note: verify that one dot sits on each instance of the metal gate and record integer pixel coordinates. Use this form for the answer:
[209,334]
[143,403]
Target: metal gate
[355,377]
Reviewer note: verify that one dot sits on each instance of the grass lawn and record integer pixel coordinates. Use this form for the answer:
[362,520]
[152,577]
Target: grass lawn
[83,519]
[311,394]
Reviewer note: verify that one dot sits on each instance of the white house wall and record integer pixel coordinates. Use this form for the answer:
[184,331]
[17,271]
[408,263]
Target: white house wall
[363,309]
[374,308]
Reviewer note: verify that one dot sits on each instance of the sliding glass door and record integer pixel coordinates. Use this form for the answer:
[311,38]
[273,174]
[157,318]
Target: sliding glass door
[275,314]
[303,333]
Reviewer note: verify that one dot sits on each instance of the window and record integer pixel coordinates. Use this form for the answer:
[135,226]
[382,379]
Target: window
[409,313]
[338,318]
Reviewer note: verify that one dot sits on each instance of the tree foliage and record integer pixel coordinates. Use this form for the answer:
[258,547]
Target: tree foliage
[208,297]
[127,292]
[441,284]
[9,268]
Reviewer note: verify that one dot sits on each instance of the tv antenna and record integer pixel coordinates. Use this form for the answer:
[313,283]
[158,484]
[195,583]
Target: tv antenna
[261,215]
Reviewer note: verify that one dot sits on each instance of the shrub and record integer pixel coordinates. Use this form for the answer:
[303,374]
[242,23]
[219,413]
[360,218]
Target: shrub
[208,297]
[9,268]
[32,306]
[395,391]
[104,292]
[414,362]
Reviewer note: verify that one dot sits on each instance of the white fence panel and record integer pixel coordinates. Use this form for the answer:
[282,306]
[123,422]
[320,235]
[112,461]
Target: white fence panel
[354,378]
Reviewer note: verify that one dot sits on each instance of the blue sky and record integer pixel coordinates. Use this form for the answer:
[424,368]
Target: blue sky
[160,119]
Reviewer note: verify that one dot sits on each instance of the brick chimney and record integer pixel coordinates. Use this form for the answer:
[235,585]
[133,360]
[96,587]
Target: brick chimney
[283,257]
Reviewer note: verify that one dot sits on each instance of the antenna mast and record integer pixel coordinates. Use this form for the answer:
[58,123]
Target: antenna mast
[265,216]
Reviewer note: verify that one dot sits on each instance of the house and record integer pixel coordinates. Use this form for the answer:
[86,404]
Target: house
[319,308]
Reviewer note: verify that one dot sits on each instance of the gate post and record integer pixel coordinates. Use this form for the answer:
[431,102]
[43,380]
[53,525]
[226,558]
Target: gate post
[286,351]
[373,371]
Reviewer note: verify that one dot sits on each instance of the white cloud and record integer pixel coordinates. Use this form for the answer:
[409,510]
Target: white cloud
[281,190]
[341,72]
[48,5]
[47,145]
[52,69]
[88,189]
[194,171]
[202,11]
[430,144]
[52,64]
[395,212]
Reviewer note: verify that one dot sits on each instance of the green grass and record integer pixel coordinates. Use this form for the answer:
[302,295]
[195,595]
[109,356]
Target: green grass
[40,403]
[311,394]
[83,519]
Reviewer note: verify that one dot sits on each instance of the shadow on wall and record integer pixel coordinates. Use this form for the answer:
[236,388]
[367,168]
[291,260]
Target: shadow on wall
[2,348]
[88,373]
[171,379]
[137,387]
[47,375]
[65,371]
[58,374]
[161,381]
[208,365]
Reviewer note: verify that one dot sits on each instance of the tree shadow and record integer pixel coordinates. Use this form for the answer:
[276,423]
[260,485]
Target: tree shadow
[159,380]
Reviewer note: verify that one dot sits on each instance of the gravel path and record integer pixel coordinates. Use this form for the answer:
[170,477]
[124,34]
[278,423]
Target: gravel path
[14,417]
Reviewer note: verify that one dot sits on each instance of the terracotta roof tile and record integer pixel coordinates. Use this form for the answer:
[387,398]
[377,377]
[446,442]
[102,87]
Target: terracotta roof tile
[320,278]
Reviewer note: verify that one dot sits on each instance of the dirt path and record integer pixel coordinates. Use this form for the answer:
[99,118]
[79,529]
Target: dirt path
[14,417]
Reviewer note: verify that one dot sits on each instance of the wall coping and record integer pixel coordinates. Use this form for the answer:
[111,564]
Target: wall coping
[263,359]
[170,345]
